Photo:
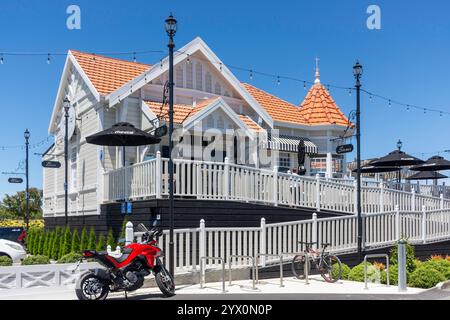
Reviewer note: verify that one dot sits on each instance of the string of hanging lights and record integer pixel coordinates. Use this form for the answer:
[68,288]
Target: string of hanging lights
[252,73]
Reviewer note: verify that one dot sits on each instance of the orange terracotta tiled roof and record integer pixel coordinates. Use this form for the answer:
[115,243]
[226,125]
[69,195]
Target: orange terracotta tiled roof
[180,111]
[278,109]
[108,74]
[319,108]
[250,123]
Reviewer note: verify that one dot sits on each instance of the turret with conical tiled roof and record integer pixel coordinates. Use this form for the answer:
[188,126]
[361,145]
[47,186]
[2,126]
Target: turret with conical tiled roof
[319,108]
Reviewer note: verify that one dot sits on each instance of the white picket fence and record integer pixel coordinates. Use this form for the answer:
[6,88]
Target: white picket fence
[381,230]
[226,181]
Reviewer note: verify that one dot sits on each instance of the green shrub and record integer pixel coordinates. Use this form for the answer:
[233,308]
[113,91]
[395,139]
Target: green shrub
[425,277]
[66,243]
[29,240]
[393,275]
[70,258]
[5,261]
[75,245]
[38,259]
[41,241]
[92,243]
[101,244]
[84,240]
[48,245]
[410,257]
[443,266]
[344,273]
[56,242]
[357,272]
[110,240]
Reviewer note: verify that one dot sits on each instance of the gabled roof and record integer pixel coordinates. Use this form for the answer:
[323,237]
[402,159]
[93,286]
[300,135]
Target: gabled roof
[250,123]
[319,108]
[180,111]
[278,109]
[108,74]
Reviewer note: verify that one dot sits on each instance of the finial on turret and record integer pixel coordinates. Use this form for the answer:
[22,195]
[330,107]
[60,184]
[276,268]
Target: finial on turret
[317,71]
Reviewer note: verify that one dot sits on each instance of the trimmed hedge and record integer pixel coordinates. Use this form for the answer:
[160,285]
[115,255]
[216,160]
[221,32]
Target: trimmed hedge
[393,275]
[425,277]
[70,258]
[441,265]
[5,261]
[357,272]
[344,273]
[38,259]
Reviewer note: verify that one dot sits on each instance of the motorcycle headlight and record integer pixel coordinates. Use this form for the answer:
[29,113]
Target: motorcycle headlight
[14,246]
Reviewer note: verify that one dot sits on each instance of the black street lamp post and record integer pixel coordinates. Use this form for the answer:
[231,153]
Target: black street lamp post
[399,171]
[66,104]
[171,29]
[27,193]
[357,72]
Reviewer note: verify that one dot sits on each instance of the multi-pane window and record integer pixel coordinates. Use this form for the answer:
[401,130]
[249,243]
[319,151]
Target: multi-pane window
[284,160]
[208,82]
[189,76]
[198,76]
[217,89]
[179,77]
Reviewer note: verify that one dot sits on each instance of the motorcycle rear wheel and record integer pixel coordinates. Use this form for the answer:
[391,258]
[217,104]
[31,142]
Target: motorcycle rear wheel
[165,282]
[90,287]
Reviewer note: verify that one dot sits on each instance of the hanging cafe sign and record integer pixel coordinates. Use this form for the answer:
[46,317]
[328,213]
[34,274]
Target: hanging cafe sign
[51,164]
[345,148]
[15,180]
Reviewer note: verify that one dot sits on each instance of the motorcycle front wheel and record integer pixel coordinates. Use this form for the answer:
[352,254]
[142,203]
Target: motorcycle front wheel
[90,287]
[165,282]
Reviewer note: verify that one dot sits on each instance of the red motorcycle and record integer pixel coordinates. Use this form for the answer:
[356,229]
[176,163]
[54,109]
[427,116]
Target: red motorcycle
[127,272]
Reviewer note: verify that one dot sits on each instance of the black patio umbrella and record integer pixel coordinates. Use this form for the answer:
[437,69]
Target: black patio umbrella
[122,134]
[435,163]
[427,175]
[397,159]
[301,154]
[373,169]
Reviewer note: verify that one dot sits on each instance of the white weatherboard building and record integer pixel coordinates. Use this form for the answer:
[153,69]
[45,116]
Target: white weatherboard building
[104,91]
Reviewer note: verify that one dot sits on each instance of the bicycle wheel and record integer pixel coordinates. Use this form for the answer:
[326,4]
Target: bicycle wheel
[330,268]
[298,267]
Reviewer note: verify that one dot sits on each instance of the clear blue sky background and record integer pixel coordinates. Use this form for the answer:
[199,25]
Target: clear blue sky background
[406,60]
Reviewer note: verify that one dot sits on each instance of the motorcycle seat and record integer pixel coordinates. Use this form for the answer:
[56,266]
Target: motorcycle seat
[125,254]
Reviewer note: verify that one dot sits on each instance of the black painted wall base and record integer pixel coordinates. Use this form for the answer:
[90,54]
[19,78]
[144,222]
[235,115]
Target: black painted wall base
[188,213]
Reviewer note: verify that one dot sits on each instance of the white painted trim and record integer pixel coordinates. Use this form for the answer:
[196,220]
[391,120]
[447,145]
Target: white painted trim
[216,104]
[70,61]
[192,47]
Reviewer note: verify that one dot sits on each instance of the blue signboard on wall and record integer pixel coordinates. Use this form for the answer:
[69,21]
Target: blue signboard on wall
[126,207]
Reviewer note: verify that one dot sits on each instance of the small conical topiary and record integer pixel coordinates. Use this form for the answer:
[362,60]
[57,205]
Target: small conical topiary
[66,242]
[44,235]
[75,246]
[110,240]
[124,228]
[92,242]
[101,244]
[48,244]
[55,243]
[84,240]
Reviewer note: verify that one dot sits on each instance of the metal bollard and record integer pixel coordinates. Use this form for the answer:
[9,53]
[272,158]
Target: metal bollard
[402,266]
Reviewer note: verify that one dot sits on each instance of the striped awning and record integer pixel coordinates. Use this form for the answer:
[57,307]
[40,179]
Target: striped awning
[289,144]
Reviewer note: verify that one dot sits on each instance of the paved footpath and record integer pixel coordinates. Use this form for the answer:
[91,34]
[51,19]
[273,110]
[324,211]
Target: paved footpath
[293,289]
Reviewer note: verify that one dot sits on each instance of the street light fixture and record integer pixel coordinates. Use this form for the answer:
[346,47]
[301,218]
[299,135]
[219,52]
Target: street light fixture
[66,105]
[171,29]
[27,135]
[357,72]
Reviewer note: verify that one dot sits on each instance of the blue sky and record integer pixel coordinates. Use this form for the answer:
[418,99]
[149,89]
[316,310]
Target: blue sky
[406,60]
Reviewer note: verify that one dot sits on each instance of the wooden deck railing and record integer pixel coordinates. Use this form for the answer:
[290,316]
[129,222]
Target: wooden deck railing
[225,181]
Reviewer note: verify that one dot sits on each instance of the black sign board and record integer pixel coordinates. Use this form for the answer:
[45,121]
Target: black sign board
[15,180]
[346,148]
[51,164]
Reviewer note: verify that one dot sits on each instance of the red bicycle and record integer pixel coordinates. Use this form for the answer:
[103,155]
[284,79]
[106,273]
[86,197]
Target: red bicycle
[329,266]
